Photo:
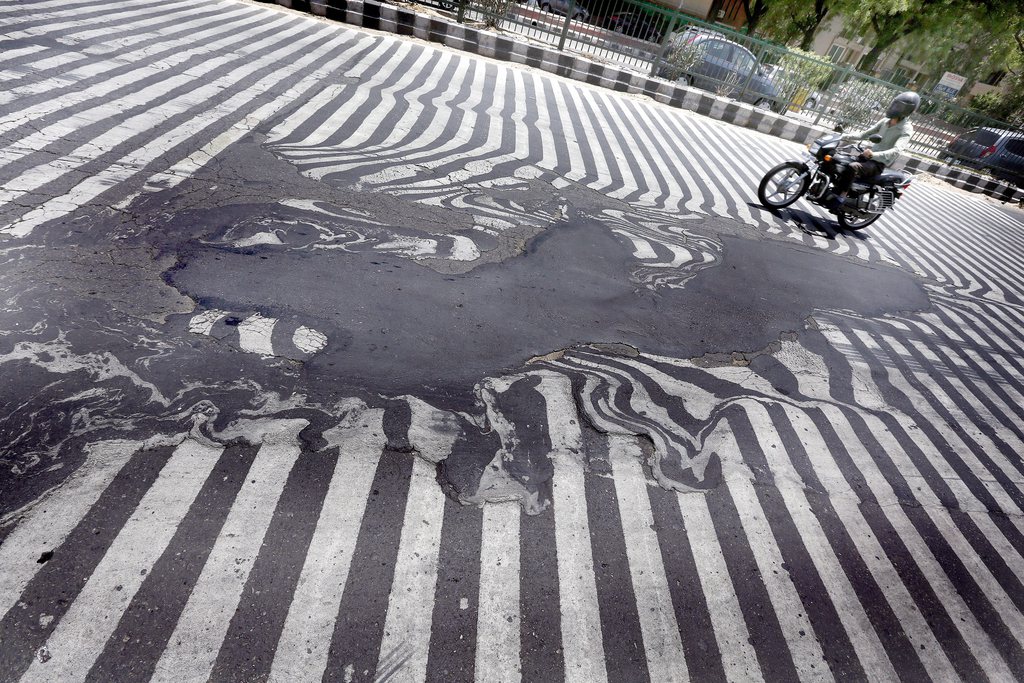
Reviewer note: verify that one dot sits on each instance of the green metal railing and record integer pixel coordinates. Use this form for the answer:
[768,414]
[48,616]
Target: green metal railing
[663,42]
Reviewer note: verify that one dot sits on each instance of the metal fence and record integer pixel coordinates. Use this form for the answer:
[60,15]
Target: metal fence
[670,44]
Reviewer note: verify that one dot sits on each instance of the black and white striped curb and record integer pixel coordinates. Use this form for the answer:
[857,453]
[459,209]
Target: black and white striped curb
[965,180]
[403,21]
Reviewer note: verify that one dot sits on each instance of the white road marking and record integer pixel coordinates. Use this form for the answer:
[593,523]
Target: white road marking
[203,323]
[80,636]
[254,334]
[870,652]
[738,657]
[497,642]
[48,522]
[662,643]
[406,642]
[301,653]
[192,649]
[577,586]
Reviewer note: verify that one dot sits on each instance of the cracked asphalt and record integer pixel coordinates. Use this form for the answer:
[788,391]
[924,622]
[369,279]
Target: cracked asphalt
[440,315]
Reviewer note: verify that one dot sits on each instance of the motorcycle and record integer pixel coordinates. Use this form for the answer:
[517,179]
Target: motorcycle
[815,176]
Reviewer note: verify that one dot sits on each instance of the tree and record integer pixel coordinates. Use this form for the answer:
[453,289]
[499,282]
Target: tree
[893,20]
[755,11]
[1007,103]
[809,22]
[799,20]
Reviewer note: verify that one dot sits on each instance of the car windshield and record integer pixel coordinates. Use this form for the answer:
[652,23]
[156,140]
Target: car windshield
[985,137]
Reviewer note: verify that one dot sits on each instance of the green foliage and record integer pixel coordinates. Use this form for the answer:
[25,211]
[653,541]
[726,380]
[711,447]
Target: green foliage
[1005,105]
[494,10]
[804,68]
[797,21]
[931,22]
[680,60]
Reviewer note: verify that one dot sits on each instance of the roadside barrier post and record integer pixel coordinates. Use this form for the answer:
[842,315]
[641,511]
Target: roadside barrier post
[660,56]
[565,26]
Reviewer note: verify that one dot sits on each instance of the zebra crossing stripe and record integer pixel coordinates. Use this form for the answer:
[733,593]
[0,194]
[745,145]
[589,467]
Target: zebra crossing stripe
[800,637]
[48,522]
[738,657]
[406,642]
[193,646]
[985,458]
[845,504]
[415,66]
[581,626]
[122,12]
[183,169]
[63,60]
[254,334]
[379,58]
[128,127]
[193,43]
[951,476]
[868,647]
[662,644]
[498,625]
[301,653]
[130,164]
[80,635]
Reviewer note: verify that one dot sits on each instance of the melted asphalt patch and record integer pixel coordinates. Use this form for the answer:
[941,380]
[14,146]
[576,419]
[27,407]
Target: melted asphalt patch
[396,326]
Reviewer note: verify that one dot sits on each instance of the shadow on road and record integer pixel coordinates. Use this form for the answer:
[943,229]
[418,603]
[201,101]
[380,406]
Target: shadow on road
[810,224]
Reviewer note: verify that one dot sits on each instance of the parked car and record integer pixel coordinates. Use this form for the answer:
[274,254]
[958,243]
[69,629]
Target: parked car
[562,7]
[993,150]
[707,60]
[635,24]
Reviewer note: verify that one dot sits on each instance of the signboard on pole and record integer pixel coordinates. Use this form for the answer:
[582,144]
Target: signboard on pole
[949,85]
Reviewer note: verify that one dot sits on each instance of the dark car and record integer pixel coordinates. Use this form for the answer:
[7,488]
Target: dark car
[707,60]
[562,7]
[635,24]
[993,150]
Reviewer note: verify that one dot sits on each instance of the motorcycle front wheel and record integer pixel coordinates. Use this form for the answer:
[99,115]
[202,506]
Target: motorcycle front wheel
[850,222]
[783,185]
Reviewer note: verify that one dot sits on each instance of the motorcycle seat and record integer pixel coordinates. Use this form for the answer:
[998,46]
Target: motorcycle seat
[887,178]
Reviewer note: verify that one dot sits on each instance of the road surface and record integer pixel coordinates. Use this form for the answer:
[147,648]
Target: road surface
[331,354]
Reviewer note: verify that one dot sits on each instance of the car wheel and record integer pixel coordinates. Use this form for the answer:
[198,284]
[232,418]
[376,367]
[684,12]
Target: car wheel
[810,103]
[685,79]
[545,7]
[763,103]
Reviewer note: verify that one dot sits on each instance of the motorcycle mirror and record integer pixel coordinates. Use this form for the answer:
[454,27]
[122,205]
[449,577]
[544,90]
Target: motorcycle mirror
[875,138]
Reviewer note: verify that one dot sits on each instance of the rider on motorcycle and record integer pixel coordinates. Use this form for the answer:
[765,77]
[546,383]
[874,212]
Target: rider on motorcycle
[895,131]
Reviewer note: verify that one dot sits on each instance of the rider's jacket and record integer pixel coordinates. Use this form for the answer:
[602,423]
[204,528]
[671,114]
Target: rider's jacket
[894,139]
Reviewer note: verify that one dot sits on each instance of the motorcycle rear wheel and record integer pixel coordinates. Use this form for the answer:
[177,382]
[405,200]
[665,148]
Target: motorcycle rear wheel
[783,185]
[851,223]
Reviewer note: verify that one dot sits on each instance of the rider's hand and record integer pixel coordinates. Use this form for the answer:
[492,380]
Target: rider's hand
[866,153]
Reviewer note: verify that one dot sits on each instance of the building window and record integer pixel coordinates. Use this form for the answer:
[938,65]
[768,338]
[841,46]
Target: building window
[994,78]
[835,53]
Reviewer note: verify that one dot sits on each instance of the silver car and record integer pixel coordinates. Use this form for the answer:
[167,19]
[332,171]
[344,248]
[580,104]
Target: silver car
[562,7]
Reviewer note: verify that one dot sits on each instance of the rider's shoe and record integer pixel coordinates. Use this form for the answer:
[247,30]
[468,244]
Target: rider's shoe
[833,202]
